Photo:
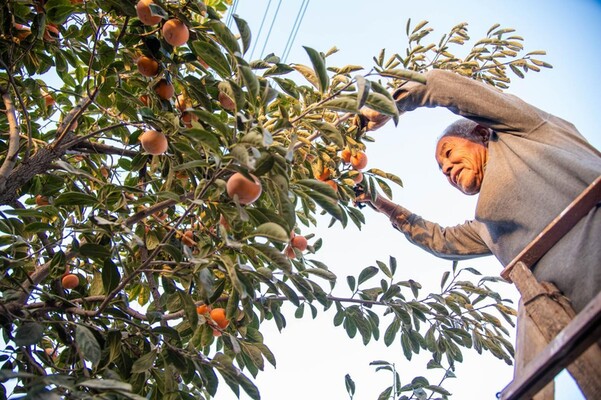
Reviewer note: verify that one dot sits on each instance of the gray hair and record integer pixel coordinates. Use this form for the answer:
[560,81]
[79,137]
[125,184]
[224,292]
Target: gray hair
[465,129]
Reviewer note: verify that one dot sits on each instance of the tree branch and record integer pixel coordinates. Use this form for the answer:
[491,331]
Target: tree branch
[13,140]
[101,148]
[40,161]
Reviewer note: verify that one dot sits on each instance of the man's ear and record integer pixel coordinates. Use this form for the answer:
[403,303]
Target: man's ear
[482,133]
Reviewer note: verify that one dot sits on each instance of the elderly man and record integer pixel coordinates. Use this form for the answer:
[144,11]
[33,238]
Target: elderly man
[526,165]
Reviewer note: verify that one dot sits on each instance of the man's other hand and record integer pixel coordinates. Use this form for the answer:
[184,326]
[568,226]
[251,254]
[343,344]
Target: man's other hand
[372,119]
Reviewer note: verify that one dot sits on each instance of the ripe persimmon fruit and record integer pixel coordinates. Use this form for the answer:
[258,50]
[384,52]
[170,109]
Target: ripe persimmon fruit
[22,31]
[164,89]
[187,118]
[175,32]
[226,101]
[345,155]
[358,177]
[70,281]
[154,142]
[183,102]
[145,14]
[223,222]
[332,184]
[203,309]
[41,200]
[299,242]
[145,99]
[247,191]
[218,316]
[51,33]
[147,66]
[289,252]
[325,174]
[49,100]
[359,160]
[188,238]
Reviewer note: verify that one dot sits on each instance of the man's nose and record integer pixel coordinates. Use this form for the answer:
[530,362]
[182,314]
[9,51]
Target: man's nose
[446,167]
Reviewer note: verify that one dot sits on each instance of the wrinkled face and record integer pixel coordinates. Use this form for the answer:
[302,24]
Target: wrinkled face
[463,162]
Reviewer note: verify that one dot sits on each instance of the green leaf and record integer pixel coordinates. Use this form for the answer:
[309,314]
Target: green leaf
[38,227]
[438,389]
[444,278]
[251,81]
[308,73]
[212,55]
[392,331]
[288,86]
[110,276]
[289,293]
[211,119]
[233,275]
[209,378]
[351,282]
[273,256]
[29,333]
[249,387]
[322,273]
[367,273]
[266,353]
[75,199]
[342,103]
[363,87]
[144,363]
[319,65]
[329,131]
[57,11]
[406,345]
[189,308]
[94,251]
[381,103]
[385,395]
[88,344]
[245,33]
[204,138]
[270,230]
[350,384]
[404,74]
[106,384]
[225,36]
[323,195]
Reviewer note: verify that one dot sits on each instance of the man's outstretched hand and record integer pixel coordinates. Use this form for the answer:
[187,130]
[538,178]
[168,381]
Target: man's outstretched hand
[362,197]
[370,120]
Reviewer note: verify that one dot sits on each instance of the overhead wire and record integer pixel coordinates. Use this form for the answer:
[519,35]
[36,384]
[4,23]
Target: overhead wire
[271,27]
[260,29]
[230,16]
[297,23]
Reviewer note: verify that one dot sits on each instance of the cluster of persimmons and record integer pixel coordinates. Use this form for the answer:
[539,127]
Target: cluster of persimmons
[243,188]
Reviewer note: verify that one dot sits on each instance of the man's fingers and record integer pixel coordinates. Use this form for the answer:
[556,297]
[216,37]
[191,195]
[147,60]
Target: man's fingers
[373,119]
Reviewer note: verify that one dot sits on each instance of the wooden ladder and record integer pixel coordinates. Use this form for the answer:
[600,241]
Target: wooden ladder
[550,335]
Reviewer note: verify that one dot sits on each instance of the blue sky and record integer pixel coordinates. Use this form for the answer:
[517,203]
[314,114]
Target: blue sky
[313,356]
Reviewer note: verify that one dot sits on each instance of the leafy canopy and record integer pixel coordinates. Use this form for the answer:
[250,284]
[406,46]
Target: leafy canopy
[153,237]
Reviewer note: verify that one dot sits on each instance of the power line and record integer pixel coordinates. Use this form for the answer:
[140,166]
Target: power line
[295,28]
[271,27]
[228,21]
[260,29]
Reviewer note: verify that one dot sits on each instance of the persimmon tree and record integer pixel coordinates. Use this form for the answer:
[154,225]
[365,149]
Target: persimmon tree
[133,268]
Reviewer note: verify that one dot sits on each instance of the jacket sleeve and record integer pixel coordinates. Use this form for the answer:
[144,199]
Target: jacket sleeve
[482,103]
[459,242]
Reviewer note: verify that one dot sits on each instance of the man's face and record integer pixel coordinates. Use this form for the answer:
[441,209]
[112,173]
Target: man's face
[463,162]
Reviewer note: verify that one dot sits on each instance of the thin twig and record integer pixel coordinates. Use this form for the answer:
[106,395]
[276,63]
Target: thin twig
[101,148]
